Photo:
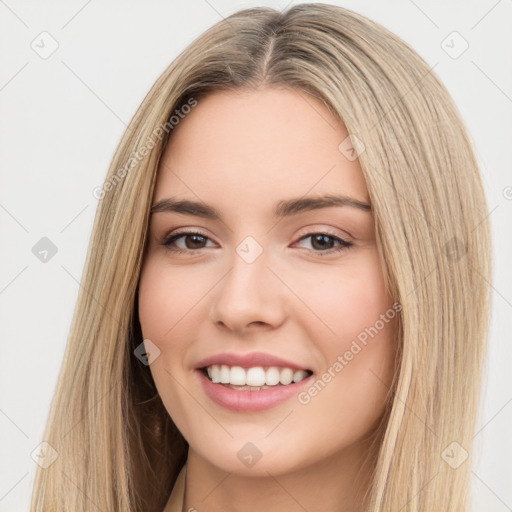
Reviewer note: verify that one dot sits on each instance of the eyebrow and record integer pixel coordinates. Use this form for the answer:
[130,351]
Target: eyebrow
[285,208]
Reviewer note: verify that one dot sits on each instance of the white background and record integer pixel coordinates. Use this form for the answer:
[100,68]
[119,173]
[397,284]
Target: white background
[63,116]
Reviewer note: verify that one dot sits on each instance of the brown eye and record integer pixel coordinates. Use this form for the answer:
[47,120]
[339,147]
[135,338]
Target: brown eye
[323,242]
[193,241]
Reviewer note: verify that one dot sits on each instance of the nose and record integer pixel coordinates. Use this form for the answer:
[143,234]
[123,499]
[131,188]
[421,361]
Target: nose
[249,296]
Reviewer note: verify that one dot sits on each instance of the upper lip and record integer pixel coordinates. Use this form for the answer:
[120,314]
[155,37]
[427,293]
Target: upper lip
[248,360]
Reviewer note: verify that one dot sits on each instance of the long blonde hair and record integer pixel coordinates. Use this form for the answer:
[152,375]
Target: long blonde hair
[117,448]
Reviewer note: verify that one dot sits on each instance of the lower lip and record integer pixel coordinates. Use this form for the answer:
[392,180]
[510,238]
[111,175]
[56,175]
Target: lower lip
[249,401]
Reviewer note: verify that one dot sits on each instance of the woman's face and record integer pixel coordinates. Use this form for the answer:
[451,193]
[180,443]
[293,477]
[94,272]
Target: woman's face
[269,282]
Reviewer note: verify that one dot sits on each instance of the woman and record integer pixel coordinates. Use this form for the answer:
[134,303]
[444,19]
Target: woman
[283,305]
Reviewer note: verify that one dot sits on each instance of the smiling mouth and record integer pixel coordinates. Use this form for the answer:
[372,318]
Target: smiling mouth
[255,378]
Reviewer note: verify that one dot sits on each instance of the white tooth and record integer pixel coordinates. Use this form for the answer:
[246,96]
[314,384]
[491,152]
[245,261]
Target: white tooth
[299,375]
[224,374]
[286,376]
[215,373]
[272,376]
[237,376]
[256,376]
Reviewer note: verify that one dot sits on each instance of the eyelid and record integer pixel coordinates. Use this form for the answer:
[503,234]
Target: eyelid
[343,243]
[308,230]
[317,228]
[178,233]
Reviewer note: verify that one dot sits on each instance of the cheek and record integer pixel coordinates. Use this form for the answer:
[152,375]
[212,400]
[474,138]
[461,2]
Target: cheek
[166,298]
[359,348]
[154,299]
[163,306]
[346,299]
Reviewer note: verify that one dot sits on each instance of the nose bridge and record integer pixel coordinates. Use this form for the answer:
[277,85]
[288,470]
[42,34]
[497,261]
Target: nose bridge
[249,292]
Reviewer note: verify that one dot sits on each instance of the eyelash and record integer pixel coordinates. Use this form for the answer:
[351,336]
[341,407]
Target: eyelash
[171,239]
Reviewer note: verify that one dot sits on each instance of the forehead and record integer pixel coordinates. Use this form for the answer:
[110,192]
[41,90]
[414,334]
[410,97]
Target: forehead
[257,147]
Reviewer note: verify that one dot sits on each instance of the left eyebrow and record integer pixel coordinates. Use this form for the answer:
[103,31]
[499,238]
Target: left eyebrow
[285,208]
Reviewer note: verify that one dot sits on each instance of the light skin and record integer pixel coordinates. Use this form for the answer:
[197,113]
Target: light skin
[242,152]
